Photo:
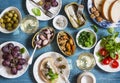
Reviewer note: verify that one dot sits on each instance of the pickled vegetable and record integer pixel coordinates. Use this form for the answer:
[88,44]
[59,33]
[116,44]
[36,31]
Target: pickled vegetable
[9,20]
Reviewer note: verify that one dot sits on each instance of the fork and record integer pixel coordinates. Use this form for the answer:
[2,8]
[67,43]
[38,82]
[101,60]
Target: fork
[47,13]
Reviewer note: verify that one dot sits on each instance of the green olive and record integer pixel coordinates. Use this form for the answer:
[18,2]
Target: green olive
[10,15]
[2,25]
[16,21]
[5,16]
[4,21]
[12,11]
[1,20]
[11,22]
[8,19]
[9,28]
[8,25]
[15,25]
[14,18]
[15,15]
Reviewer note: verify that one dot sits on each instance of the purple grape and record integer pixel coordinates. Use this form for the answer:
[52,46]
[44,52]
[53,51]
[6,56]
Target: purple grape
[47,6]
[9,57]
[6,63]
[19,56]
[5,49]
[16,48]
[54,4]
[19,67]
[22,61]
[47,0]
[10,46]
[14,53]
[14,71]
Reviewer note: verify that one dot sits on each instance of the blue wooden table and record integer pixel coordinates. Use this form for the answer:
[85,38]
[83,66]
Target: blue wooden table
[25,39]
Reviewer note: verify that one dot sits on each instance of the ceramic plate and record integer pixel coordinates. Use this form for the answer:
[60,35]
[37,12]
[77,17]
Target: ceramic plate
[6,71]
[55,55]
[106,68]
[43,17]
[104,23]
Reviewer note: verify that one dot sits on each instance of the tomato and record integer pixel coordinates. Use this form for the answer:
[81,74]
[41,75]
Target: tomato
[103,52]
[105,61]
[109,58]
[116,57]
[114,64]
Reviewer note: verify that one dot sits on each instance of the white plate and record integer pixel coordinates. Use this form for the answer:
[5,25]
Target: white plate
[43,17]
[106,68]
[55,55]
[6,71]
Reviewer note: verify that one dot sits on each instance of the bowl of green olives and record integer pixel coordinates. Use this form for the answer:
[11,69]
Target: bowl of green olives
[10,20]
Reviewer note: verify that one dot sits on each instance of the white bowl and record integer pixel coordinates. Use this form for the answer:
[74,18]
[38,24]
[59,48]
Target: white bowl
[88,30]
[20,18]
[61,19]
[86,77]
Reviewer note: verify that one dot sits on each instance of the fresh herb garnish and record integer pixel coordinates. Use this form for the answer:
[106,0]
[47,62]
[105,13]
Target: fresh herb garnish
[110,44]
[22,50]
[36,11]
[52,75]
[95,28]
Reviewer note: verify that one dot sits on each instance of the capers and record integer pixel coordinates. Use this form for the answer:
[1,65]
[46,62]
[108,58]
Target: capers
[59,59]
[9,20]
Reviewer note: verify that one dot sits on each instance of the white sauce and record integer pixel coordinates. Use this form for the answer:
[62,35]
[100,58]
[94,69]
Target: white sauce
[86,79]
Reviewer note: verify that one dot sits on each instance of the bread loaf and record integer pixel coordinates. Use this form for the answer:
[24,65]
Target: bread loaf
[106,8]
[115,11]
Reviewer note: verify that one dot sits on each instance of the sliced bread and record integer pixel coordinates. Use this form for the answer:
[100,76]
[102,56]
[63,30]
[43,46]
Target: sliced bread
[106,8]
[98,4]
[115,11]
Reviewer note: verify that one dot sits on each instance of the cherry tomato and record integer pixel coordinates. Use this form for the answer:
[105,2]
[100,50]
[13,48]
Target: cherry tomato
[114,64]
[116,57]
[109,58]
[103,52]
[105,61]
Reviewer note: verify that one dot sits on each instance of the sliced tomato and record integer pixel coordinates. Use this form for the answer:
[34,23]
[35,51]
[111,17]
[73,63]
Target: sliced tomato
[109,58]
[103,52]
[115,64]
[105,61]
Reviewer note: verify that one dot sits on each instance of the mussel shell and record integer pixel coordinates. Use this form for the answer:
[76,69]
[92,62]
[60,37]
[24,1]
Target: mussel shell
[60,46]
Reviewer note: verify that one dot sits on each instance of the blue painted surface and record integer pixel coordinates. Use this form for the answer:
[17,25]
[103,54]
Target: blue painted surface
[25,39]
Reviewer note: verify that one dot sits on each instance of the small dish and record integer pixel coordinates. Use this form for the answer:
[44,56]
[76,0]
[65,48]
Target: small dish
[66,43]
[5,70]
[60,22]
[86,77]
[3,30]
[54,55]
[43,37]
[93,39]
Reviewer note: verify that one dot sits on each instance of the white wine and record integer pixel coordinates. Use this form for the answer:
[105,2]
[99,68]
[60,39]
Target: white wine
[86,61]
[29,24]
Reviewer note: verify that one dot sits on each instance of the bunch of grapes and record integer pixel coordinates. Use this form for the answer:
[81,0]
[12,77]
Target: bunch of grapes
[12,58]
[50,3]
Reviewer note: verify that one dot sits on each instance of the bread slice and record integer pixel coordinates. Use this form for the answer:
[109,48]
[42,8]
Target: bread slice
[106,8]
[98,4]
[115,11]
[42,69]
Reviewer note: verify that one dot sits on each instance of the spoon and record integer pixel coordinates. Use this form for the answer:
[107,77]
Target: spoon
[31,58]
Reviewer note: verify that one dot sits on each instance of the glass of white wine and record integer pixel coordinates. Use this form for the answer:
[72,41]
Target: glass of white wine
[29,24]
[86,61]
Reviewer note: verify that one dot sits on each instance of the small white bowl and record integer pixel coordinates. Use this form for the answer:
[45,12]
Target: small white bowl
[20,18]
[86,77]
[60,19]
[87,30]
